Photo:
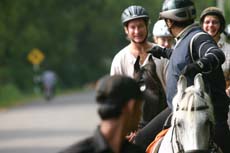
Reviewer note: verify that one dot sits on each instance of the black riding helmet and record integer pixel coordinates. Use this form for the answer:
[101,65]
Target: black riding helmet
[214,11]
[178,10]
[134,12]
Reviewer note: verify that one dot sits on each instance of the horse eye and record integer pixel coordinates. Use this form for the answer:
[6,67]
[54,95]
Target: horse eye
[179,124]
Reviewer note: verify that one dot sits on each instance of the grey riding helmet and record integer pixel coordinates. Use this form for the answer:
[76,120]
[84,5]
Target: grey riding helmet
[134,12]
[178,10]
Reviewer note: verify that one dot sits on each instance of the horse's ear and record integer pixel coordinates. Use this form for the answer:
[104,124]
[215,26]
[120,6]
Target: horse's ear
[137,65]
[181,84]
[150,58]
[151,61]
[198,82]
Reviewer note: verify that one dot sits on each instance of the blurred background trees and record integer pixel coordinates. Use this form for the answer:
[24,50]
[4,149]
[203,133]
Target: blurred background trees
[78,37]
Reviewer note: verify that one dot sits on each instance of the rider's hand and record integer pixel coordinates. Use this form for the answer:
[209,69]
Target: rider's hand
[131,136]
[192,69]
[228,91]
[156,51]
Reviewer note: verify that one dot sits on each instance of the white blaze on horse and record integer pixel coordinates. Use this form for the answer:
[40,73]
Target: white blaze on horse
[192,122]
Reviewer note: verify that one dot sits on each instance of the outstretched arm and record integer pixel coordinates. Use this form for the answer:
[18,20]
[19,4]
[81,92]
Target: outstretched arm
[158,52]
[207,55]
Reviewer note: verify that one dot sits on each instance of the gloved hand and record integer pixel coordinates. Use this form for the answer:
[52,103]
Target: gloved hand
[157,51]
[192,69]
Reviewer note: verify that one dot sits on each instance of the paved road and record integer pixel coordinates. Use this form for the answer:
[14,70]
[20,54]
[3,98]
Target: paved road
[42,127]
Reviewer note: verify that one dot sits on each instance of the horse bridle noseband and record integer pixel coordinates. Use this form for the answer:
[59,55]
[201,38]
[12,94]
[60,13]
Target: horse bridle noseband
[212,147]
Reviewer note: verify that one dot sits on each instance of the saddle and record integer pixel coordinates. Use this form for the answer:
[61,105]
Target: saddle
[154,146]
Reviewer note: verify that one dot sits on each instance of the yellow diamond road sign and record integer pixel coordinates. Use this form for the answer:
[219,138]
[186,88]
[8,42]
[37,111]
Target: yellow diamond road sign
[36,56]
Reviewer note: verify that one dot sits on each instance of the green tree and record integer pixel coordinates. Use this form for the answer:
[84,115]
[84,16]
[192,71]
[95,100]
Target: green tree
[79,38]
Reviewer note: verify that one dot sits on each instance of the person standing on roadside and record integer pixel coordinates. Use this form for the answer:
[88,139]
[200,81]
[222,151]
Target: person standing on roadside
[119,102]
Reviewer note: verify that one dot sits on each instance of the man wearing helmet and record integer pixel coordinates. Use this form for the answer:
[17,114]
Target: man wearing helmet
[201,56]
[213,22]
[135,20]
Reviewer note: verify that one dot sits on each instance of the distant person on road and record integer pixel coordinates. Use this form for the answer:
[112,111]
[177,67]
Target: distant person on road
[119,99]
[48,80]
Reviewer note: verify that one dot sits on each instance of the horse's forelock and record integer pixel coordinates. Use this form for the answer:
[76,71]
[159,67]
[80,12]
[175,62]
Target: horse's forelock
[192,109]
[192,100]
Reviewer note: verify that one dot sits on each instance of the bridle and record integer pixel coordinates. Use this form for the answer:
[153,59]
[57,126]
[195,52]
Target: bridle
[212,147]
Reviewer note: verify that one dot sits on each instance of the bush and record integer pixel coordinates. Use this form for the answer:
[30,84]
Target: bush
[9,95]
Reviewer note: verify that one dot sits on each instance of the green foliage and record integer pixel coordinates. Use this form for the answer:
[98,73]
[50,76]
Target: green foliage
[227,11]
[8,95]
[201,5]
[79,38]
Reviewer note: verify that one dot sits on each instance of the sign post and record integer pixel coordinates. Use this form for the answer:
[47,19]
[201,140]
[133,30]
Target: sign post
[35,57]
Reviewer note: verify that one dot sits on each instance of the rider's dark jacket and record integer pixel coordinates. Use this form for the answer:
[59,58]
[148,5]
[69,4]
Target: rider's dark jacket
[205,49]
[98,144]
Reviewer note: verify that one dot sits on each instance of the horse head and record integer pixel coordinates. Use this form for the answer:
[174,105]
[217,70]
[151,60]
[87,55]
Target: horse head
[193,118]
[154,95]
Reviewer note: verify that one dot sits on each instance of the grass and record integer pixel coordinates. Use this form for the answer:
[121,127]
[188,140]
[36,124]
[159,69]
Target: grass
[11,96]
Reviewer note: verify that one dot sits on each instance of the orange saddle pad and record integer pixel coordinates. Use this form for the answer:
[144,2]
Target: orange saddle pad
[154,144]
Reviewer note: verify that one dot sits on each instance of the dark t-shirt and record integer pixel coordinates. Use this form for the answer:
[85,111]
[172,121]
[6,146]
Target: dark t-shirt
[97,144]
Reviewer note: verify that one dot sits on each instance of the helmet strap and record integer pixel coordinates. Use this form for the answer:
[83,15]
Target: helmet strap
[216,37]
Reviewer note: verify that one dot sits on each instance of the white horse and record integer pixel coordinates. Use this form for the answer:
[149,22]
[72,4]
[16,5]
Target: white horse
[192,122]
